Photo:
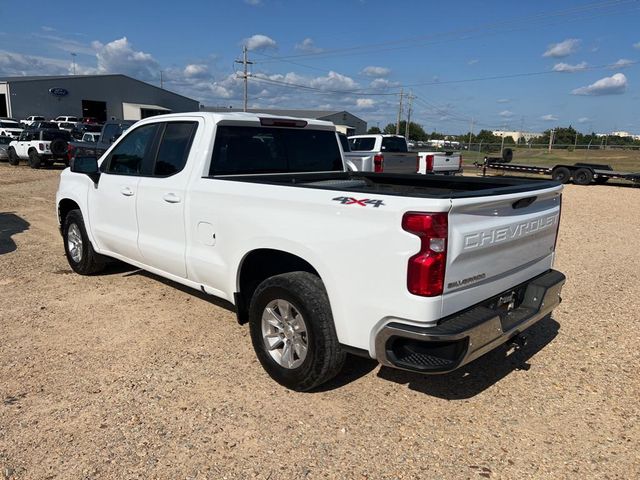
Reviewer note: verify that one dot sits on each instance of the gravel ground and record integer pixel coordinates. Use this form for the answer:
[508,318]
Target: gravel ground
[124,375]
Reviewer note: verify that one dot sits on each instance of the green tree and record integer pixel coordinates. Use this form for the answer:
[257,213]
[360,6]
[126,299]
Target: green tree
[373,130]
[416,132]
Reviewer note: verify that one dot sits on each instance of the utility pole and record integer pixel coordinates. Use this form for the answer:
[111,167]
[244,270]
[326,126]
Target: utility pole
[245,74]
[409,108]
[575,144]
[551,135]
[399,113]
[470,133]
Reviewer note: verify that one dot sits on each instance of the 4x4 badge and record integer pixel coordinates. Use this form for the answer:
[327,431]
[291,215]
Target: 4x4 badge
[363,203]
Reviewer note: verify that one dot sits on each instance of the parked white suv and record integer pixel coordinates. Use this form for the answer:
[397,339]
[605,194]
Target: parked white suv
[10,128]
[30,120]
[40,146]
[66,119]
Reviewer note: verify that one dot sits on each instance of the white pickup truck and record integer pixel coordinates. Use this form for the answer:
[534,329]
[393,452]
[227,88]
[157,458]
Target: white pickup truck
[389,153]
[421,273]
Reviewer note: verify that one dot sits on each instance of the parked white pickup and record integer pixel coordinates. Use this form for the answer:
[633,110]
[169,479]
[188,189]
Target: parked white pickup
[423,273]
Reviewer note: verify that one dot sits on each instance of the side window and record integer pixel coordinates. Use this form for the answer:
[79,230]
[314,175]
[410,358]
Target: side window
[110,131]
[127,157]
[174,148]
[24,136]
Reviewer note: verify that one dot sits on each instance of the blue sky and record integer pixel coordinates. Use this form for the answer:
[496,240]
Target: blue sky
[512,65]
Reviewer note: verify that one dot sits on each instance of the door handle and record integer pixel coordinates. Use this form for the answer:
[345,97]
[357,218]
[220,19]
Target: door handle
[126,191]
[171,198]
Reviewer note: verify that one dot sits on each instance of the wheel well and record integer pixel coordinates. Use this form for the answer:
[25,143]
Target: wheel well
[259,265]
[64,207]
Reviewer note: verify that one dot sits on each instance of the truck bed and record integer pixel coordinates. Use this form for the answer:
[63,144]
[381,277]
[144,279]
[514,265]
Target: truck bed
[409,185]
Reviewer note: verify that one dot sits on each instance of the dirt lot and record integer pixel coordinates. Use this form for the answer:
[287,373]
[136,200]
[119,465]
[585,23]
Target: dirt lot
[125,376]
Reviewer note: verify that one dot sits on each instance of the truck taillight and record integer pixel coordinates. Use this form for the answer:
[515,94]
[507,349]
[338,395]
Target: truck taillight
[430,159]
[70,150]
[555,242]
[378,163]
[460,160]
[418,163]
[425,270]
[41,147]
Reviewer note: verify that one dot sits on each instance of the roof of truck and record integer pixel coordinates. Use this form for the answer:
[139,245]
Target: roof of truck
[244,117]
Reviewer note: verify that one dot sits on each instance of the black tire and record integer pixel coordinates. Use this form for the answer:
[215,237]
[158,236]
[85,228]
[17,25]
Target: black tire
[34,159]
[89,262]
[507,155]
[13,157]
[58,147]
[561,174]
[324,358]
[582,176]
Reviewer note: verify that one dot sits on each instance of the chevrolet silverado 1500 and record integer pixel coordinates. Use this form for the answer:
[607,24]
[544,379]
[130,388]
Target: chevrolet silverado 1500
[421,273]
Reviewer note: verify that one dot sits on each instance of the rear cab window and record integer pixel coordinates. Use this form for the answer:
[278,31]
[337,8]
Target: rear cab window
[242,150]
[394,144]
[362,144]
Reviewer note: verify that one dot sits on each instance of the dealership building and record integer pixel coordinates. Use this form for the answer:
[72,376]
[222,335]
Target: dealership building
[102,96]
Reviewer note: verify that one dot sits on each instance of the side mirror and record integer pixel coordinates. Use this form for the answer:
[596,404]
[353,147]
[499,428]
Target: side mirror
[87,166]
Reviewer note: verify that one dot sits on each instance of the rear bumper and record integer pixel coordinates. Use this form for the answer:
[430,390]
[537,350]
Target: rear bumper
[467,335]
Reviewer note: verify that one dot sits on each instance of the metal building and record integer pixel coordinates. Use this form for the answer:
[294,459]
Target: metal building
[101,96]
[344,121]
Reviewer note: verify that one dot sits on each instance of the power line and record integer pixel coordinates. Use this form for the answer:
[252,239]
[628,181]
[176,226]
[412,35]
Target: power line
[467,33]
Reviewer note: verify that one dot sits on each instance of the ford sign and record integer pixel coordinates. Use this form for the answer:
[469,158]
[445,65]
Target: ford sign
[59,92]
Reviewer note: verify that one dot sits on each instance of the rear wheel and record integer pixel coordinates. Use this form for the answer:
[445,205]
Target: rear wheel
[582,176]
[13,157]
[561,174]
[292,331]
[80,254]
[34,159]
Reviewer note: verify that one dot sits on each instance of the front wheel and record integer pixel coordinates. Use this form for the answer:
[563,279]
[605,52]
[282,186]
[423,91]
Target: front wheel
[80,254]
[292,331]
[561,174]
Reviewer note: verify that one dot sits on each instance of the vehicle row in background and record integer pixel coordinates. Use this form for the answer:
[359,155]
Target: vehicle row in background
[390,154]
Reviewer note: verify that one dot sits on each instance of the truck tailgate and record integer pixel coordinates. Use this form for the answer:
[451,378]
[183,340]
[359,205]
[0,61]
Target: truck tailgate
[496,243]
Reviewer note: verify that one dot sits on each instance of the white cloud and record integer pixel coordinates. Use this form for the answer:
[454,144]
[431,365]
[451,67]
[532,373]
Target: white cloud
[196,70]
[583,119]
[622,63]
[613,85]
[334,81]
[372,71]
[259,42]
[364,103]
[503,100]
[253,3]
[636,45]
[308,46]
[473,61]
[562,49]
[506,114]
[65,44]
[549,118]
[382,83]
[16,64]
[119,57]
[567,68]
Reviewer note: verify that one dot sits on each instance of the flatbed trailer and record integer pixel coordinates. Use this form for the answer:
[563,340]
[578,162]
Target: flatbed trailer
[580,173]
